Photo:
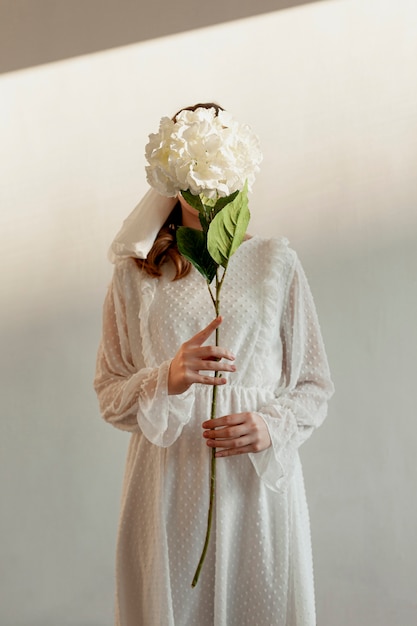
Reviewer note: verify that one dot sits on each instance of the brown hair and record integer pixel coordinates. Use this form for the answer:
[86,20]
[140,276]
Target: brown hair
[165,248]
[200,105]
[165,245]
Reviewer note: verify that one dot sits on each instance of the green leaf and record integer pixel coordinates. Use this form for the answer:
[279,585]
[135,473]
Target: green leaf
[194,201]
[222,202]
[192,245]
[197,203]
[203,221]
[228,228]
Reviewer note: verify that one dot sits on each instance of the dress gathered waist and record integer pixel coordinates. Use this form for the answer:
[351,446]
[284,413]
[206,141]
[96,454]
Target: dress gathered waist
[231,398]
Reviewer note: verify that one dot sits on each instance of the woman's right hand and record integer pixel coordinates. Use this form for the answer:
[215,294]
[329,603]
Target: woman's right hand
[193,356]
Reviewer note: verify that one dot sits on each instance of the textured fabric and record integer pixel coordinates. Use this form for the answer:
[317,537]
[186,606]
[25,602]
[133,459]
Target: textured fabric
[258,569]
[138,232]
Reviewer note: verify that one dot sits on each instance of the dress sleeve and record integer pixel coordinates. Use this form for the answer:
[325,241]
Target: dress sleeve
[305,387]
[133,397]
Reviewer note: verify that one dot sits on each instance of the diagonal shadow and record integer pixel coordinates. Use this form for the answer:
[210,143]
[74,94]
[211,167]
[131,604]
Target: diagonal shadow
[42,31]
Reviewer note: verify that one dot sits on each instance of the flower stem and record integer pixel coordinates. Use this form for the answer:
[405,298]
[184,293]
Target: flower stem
[209,516]
[216,303]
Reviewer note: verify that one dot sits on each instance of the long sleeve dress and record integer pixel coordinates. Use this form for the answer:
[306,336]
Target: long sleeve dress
[258,569]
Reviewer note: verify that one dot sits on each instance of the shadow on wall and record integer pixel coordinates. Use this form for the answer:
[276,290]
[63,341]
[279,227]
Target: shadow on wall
[33,33]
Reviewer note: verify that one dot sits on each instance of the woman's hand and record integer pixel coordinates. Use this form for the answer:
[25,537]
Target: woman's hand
[193,356]
[238,433]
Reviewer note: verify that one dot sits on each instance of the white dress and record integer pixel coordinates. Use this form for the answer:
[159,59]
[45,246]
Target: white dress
[258,569]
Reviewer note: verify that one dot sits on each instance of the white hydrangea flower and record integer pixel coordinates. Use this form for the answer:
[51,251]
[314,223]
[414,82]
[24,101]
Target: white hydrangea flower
[202,152]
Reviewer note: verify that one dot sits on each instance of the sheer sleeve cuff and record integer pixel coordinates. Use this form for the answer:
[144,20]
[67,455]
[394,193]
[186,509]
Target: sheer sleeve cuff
[275,465]
[162,417]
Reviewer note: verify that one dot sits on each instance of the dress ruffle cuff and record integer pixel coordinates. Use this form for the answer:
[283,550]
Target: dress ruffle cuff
[275,465]
[162,417]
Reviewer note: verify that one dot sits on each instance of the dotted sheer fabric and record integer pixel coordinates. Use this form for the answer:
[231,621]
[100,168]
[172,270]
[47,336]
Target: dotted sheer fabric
[258,570]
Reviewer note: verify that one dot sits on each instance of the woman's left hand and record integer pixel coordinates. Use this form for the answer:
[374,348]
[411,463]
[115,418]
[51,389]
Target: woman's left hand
[238,433]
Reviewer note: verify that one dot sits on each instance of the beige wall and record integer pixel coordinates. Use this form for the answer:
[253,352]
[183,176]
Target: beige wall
[330,89]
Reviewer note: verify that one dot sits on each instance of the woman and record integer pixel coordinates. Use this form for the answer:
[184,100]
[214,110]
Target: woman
[155,378]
